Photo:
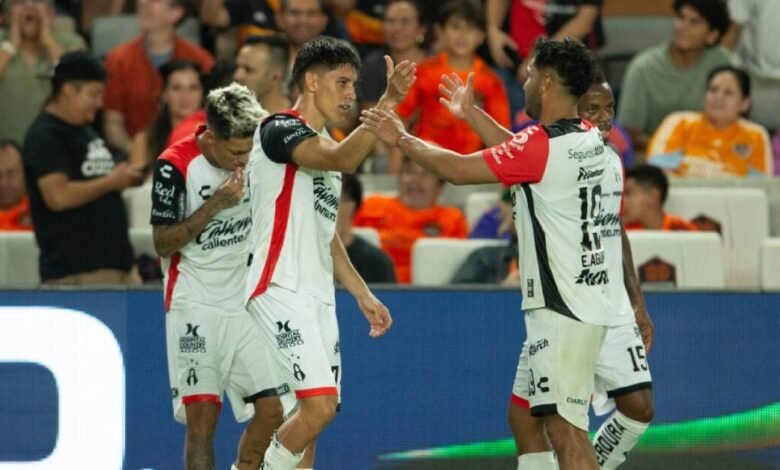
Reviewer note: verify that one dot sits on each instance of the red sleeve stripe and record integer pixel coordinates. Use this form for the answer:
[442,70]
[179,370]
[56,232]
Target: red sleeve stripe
[315,392]
[521,402]
[281,217]
[202,398]
[173,276]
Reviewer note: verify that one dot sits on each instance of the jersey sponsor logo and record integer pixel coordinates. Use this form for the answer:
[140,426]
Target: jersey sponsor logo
[586,154]
[191,341]
[164,193]
[287,337]
[534,348]
[596,278]
[99,161]
[166,214]
[326,203]
[295,134]
[587,173]
[288,122]
[222,233]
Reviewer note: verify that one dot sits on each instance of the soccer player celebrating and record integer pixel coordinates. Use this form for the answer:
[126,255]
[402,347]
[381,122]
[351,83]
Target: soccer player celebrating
[201,222]
[622,373]
[559,173]
[295,170]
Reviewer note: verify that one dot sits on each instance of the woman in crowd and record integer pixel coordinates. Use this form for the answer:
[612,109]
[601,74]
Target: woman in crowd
[181,100]
[718,141]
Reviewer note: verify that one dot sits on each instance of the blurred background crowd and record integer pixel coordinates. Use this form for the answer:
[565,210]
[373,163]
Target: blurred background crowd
[695,94]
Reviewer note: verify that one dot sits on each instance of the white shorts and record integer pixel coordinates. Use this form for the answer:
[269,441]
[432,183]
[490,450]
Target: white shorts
[209,353]
[303,337]
[620,370]
[555,374]
[622,367]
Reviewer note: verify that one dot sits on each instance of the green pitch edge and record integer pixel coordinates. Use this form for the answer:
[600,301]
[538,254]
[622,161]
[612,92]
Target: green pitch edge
[756,428]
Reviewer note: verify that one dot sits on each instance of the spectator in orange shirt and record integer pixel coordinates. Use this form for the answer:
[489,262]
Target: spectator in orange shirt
[413,214]
[718,141]
[134,83]
[644,196]
[14,205]
[461,28]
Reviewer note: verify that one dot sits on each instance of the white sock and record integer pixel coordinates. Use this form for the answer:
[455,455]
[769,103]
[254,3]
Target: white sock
[537,461]
[233,467]
[277,457]
[615,438]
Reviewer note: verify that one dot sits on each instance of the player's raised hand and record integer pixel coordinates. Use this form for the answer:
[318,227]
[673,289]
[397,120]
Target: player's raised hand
[376,313]
[386,126]
[646,328]
[457,96]
[231,191]
[400,79]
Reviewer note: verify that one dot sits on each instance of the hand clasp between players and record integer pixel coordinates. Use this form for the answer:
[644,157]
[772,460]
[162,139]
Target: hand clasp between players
[386,126]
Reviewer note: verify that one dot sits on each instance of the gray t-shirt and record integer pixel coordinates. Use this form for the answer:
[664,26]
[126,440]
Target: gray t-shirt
[655,87]
[24,88]
[758,49]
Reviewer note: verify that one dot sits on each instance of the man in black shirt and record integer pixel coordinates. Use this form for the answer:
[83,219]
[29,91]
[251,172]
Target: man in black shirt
[373,264]
[78,215]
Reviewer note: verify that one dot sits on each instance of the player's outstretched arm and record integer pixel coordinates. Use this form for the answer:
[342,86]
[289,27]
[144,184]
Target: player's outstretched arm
[448,165]
[459,100]
[323,154]
[634,290]
[376,313]
[171,237]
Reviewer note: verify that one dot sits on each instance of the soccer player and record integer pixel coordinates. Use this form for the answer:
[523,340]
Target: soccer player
[559,173]
[622,374]
[201,222]
[295,172]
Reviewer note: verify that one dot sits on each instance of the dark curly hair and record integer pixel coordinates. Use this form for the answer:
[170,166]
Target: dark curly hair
[570,59]
[323,52]
[715,12]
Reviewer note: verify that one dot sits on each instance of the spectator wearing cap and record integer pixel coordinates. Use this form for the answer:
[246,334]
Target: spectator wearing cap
[134,83]
[14,205]
[74,184]
[28,48]
[372,263]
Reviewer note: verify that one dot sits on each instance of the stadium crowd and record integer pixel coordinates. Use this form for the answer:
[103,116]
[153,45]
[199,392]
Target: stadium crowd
[78,128]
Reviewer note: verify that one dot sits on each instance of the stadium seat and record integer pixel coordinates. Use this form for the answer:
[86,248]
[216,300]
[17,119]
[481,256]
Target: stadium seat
[110,31]
[19,252]
[477,203]
[623,42]
[742,216]
[369,234]
[692,260]
[142,241]
[770,264]
[435,260]
[138,202]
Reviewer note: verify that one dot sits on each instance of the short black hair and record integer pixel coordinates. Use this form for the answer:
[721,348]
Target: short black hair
[650,176]
[323,52]
[715,12]
[469,10]
[743,79]
[570,59]
[352,189]
[284,4]
[279,47]
[598,75]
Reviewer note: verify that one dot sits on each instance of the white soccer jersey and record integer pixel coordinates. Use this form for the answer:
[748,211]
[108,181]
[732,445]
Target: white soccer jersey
[211,269]
[294,211]
[559,176]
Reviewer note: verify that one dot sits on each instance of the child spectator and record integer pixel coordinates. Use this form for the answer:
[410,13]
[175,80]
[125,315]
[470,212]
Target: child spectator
[14,205]
[646,188]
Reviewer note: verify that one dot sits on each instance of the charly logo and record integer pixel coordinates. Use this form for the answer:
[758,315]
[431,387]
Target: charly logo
[221,233]
[287,337]
[586,174]
[596,278]
[192,342]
